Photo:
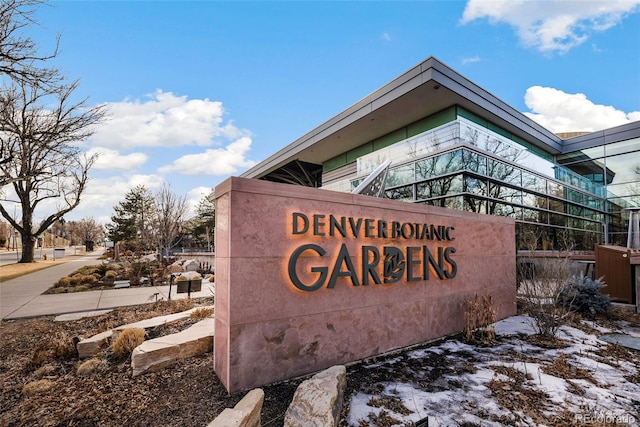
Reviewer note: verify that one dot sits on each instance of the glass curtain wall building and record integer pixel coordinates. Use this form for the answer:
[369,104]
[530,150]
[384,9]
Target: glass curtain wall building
[471,165]
[454,145]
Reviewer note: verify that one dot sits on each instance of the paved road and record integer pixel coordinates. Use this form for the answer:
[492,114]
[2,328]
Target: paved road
[11,257]
[22,297]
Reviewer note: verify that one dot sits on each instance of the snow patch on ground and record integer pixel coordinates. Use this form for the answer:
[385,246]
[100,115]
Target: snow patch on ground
[464,391]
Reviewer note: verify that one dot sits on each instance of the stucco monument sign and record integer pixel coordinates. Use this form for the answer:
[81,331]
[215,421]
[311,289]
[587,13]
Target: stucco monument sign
[309,278]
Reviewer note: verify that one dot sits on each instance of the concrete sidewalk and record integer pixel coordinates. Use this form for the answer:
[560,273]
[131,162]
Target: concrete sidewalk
[22,297]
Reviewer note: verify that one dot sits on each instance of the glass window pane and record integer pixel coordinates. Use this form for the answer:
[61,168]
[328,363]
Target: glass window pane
[617,204]
[440,187]
[446,202]
[555,189]
[622,147]
[534,200]
[624,168]
[593,215]
[556,205]
[575,210]
[475,186]
[533,215]
[582,155]
[502,209]
[505,193]
[575,196]
[401,193]
[475,204]
[439,165]
[594,202]
[557,220]
[474,162]
[504,172]
[400,175]
[534,182]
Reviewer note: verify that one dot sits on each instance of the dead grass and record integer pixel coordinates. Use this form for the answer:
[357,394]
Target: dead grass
[201,313]
[562,368]
[92,366]
[128,340]
[37,387]
[480,316]
[188,394]
[12,271]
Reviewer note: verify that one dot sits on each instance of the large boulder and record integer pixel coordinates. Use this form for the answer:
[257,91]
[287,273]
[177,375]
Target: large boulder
[191,265]
[245,414]
[157,353]
[317,401]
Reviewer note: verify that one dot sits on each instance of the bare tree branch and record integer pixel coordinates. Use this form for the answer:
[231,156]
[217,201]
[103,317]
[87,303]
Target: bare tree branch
[19,57]
[45,128]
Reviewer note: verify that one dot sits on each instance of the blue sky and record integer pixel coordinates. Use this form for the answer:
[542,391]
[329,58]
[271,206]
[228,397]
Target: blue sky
[199,91]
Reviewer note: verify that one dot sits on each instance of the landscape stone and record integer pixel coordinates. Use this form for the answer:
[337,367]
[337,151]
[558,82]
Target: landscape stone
[80,315]
[157,321]
[317,401]
[159,352]
[245,414]
[90,346]
[191,265]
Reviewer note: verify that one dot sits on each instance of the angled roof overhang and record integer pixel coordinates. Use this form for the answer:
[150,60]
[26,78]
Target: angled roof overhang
[601,137]
[423,90]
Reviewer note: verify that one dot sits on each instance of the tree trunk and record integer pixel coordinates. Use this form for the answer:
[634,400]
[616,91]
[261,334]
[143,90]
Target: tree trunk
[28,249]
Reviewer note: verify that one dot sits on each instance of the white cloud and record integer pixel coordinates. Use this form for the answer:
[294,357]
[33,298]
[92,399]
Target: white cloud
[552,25]
[113,160]
[471,60]
[194,196]
[163,120]
[102,194]
[565,112]
[386,36]
[214,161]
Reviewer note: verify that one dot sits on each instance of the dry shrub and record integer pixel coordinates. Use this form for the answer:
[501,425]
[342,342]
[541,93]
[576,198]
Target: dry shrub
[37,387]
[515,395]
[91,366]
[541,281]
[480,316]
[127,340]
[392,403]
[201,313]
[562,369]
[63,282]
[612,354]
[44,371]
[60,347]
[547,341]
[178,305]
[89,279]
[76,279]
[111,274]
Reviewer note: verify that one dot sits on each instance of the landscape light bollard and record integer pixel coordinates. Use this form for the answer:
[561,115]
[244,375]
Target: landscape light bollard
[633,236]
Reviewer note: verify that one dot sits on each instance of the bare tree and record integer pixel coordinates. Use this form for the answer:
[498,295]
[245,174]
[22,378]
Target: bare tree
[202,227]
[170,210]
[19,60]
[19,57]
[85,230]
[541,281]
[45,128]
